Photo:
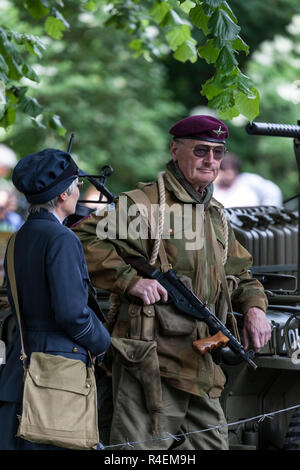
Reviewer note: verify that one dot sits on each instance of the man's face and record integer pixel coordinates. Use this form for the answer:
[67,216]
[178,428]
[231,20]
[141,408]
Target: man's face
[198,160]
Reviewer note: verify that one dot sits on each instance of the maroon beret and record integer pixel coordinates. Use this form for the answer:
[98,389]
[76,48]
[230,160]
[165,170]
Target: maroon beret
[201,127]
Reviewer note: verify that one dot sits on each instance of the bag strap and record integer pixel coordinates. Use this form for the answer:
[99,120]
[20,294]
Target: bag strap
[13,288]
[221,271]
[139,197]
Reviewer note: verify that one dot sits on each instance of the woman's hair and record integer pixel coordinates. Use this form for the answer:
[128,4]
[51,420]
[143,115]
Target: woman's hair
[50,205]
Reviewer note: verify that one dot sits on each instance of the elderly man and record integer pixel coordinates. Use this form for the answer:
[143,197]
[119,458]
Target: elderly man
[161,386]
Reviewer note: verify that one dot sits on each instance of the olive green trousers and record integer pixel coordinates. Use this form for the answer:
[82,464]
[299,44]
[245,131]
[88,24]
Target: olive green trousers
[182,413]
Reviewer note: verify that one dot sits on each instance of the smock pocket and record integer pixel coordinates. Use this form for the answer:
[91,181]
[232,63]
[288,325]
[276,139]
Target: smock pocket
[171,320]
[140,360]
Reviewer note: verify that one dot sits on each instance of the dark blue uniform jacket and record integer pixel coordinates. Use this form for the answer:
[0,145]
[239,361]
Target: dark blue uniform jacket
[52,281]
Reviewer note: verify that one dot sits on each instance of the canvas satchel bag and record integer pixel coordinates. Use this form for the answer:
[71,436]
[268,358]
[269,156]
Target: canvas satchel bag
[60,399]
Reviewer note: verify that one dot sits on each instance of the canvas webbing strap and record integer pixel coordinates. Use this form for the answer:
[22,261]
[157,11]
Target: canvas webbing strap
[13,287]
[221,272]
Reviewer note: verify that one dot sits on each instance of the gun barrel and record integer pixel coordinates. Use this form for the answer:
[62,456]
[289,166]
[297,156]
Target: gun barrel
[272,129]
[252,363]
[71,142]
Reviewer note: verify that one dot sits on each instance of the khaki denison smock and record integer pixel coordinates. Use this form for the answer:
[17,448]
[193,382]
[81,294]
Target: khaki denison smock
[182,367]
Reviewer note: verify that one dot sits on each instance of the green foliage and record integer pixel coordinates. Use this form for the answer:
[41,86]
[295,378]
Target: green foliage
[259,21]
[38,9]
[176,24]
[118,106]
[95,68]
[54,27]
[275,66]
[13,68]
[17,50]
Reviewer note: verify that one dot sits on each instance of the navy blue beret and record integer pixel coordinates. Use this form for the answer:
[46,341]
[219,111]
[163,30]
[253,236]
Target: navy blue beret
[201,127]
[44,175]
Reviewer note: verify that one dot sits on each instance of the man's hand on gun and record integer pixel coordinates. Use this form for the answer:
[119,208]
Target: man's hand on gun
[256,330]
[149,291]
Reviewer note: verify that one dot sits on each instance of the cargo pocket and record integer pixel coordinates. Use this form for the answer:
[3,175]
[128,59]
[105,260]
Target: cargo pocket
[171,320]
[142,318]
[140,360]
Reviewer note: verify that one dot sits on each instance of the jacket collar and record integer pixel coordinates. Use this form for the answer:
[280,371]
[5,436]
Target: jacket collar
[43,214]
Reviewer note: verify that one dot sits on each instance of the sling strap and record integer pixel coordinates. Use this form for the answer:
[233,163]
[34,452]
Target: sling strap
[221,272]
[13,288]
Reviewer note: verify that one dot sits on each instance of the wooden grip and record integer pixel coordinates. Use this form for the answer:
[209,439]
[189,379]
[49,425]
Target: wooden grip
[211,342]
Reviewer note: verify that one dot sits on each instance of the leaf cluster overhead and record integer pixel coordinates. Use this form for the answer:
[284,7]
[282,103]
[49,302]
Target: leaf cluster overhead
[191,30]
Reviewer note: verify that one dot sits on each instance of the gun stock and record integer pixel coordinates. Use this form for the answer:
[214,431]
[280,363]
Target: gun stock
[211,342]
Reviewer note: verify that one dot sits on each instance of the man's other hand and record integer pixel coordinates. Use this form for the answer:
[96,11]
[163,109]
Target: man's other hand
[257,329]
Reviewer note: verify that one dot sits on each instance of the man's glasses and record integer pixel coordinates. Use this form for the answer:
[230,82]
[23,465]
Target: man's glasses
[201,151]
[80,184]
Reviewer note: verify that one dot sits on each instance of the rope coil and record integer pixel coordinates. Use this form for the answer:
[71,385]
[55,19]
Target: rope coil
[161,217]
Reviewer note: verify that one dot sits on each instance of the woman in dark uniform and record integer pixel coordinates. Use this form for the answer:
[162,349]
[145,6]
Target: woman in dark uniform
[52,283]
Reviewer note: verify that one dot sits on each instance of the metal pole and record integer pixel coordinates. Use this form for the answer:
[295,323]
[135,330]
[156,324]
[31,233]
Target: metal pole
[297,155]
[282,130]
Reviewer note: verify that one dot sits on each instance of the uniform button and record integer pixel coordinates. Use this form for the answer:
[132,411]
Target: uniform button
[75,349]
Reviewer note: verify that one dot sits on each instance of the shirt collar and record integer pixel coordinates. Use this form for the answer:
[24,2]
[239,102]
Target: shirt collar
[54,213]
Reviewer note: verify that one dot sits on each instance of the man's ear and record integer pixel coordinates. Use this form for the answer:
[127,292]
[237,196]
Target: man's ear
[173,149]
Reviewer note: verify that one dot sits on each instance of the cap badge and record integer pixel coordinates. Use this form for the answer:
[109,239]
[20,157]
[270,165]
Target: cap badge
[219,131]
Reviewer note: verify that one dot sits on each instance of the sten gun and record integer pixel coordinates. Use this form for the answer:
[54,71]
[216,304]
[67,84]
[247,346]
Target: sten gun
[187,303]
